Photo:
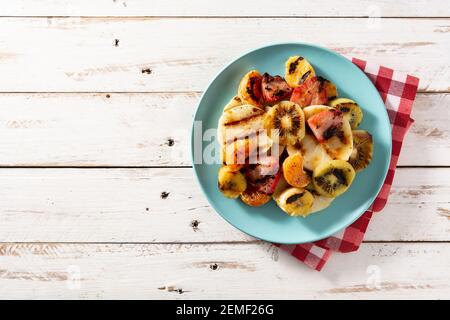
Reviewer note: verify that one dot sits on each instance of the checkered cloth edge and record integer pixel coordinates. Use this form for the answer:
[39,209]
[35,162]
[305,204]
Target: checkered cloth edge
[398,91]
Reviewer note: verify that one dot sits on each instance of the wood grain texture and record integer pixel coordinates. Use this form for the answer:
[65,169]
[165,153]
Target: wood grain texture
[294,8]
[172,54]
[252,271]
[153,130]
[166,205]
[85,233]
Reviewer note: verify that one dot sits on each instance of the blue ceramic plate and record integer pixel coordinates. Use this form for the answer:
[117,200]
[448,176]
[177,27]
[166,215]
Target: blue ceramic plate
[269,222]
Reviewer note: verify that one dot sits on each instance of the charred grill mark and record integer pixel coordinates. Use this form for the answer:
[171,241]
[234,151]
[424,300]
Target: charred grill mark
[293,65]
[233,123]
[345,107]
[294,198]
[332,131]
[339,176]
[305,76]
[251,88]
[267,77]
[322,82]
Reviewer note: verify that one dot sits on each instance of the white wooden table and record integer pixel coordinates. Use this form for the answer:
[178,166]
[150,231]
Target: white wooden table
[97,197]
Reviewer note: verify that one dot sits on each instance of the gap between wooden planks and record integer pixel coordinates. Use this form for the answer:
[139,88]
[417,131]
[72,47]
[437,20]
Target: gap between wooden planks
[166,205]
[189,271]
[153,129]
[230,8]
[170,54]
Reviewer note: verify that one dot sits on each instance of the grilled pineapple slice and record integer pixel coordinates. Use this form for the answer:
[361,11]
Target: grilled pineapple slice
[239,122]
[245,151]
[313,152]
[234,102]
[298,70]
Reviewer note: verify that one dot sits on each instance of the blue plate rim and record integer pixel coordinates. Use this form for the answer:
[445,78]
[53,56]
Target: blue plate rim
[275,44]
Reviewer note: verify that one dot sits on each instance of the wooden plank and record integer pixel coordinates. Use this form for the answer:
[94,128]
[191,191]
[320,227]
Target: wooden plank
[156,54]
[301,8]
[105,271]
[153,130]
[166,205]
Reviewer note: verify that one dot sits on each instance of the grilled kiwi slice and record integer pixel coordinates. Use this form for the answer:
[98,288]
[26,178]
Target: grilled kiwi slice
[296,201]
[231,183]
[352,112]
[255,198]
[362,150]
[298,70]
[293,171]
[288,118]
[333,178]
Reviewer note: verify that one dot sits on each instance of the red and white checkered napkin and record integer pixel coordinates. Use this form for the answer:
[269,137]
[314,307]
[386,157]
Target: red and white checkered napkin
[398,91]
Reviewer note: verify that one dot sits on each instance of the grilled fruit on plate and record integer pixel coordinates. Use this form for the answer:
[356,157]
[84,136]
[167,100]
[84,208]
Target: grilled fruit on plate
[250,88]
[231,183]
[254,198]
[313,152]
[330,88]
[288,118]
[333,178]
[334,132]
[313,110]
[320,202]
[362,150]
[234,102]
[279,188]
[238,122]
[296,201]
[267,166]
[245,151]
[352,112]
[326,124]
[263,176]
[275,89]
[298,70]
[293,171]
[310,92]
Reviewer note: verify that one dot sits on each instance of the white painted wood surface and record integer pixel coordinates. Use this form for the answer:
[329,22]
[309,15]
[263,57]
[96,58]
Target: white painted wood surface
[230,8]
[73,98]
[186,271]
[79,54]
